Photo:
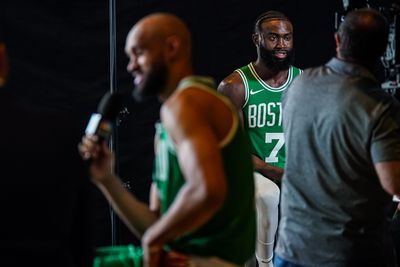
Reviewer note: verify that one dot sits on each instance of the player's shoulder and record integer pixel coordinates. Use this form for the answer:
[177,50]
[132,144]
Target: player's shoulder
[192,91]
[192,105]
[232,82]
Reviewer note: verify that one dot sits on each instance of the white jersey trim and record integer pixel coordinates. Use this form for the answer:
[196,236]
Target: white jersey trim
[169,143]
[270,88]
[246,86]
[235,120]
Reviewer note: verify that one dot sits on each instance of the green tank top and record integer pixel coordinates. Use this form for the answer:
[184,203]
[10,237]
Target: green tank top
[262,114]
[230,233]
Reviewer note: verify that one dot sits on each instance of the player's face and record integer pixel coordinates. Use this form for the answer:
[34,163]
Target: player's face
[146,65]
[275,43]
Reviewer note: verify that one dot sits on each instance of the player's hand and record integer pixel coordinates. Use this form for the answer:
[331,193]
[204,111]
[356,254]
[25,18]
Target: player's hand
[157,257]
[175,259]
[152,255]
[99,157]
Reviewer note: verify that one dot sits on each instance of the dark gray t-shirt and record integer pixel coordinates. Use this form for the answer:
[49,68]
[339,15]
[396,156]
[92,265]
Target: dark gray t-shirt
[337,123]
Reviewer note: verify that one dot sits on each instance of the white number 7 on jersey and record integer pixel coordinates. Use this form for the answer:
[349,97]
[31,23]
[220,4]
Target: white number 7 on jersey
[269,137]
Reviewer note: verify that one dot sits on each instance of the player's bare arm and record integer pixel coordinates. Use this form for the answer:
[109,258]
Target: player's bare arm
[135,214]
[389,176]
[189,122]
[266,169]
[233,87]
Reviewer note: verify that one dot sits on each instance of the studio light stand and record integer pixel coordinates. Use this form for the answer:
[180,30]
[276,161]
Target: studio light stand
[391,67]
[389,59]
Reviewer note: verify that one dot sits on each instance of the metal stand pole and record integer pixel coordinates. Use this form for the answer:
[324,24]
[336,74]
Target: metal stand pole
[113,84]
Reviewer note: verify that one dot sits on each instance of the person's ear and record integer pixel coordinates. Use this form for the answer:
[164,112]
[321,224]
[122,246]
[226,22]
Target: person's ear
[172,46]
[256,39]
[337,41]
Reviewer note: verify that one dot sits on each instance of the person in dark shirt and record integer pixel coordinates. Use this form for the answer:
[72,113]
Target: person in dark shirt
[342,134]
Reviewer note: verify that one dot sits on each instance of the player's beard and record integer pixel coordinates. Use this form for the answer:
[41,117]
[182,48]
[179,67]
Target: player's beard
[153,83]
[272,62]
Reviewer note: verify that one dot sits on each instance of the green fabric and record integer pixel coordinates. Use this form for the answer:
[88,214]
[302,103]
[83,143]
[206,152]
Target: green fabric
[230,234]
[262,114]
[119,256]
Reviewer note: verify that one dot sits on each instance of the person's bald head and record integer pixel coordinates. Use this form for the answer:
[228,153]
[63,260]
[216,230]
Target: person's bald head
[362,36]
[160,28]
[159,51]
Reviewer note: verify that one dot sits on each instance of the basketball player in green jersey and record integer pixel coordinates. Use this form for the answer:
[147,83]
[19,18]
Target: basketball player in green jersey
[201,205]
[256,90]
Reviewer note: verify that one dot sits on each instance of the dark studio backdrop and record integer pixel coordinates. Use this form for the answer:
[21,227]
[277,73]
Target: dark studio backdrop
[59,70]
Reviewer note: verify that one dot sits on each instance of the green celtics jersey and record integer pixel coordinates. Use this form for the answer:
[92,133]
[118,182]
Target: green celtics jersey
[230,233]
[262,114]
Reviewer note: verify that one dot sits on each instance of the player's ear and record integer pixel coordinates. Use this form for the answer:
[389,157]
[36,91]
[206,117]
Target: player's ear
[172,46]
[256,39]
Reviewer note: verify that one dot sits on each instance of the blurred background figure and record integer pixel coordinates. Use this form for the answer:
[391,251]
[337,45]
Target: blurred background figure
[3,63]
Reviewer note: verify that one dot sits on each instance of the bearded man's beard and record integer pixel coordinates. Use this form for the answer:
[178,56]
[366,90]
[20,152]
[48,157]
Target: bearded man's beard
[153,83]
[274,63]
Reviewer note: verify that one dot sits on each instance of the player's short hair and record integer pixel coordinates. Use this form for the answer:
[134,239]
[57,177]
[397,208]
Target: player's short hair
[269,15]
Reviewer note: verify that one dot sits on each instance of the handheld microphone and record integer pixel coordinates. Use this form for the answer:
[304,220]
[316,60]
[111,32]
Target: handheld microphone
[102,122]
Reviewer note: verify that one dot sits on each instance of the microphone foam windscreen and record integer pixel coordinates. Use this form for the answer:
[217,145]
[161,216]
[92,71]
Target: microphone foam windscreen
[109,105]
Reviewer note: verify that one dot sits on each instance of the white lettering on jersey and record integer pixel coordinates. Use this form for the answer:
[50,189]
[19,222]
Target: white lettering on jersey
[269,138]
[263,114]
